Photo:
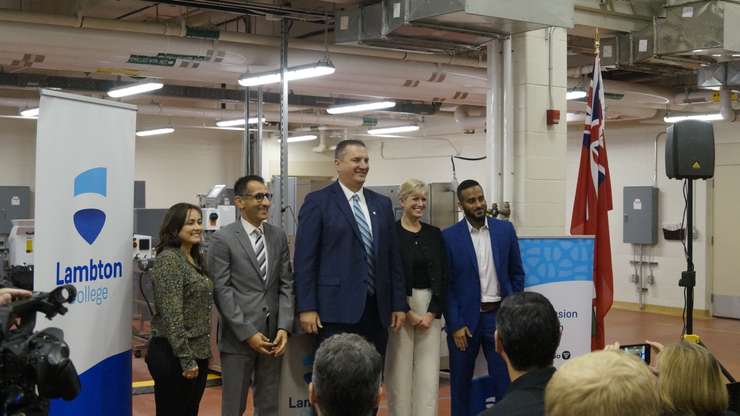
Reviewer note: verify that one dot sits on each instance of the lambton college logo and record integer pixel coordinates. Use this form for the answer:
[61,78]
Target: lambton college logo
[89,222]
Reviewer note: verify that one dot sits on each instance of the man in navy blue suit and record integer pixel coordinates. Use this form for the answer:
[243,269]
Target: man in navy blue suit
[348,272]
[485,267]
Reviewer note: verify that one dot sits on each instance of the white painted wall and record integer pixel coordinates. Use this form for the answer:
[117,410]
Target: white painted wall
[178,166]
[630,150]
[17,152]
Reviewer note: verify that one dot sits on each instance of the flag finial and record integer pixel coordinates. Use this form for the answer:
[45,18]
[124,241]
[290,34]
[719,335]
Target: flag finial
[597,42]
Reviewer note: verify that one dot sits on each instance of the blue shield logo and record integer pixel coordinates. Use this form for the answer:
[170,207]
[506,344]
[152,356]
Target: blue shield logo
[89,222]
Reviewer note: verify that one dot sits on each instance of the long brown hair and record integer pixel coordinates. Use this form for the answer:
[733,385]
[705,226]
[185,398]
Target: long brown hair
[173,222]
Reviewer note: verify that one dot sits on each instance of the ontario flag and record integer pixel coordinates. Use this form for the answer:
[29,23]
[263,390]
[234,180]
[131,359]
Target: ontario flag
[593,201]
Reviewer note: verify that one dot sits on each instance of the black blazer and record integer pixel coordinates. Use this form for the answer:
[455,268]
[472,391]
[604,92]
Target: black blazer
[437,265]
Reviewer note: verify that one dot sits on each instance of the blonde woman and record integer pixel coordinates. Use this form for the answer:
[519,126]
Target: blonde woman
[690,381]
[603,383]
[412,359]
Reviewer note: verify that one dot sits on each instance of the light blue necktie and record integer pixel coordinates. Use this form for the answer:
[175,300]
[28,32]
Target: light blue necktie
[367,241]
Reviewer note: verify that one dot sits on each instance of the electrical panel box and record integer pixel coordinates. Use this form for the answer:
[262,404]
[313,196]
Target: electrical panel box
[640,215]
[15,204]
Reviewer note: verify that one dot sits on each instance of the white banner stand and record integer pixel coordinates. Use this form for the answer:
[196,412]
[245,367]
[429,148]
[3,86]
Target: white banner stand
[84,223]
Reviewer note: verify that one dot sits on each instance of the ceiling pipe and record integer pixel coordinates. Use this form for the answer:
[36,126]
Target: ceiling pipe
[179,30]
[725,105]
[467,122]
[202,113]
[321,147]
[135,54]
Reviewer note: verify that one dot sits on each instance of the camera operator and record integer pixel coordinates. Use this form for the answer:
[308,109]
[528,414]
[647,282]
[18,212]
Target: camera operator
[9,294]
[34,365]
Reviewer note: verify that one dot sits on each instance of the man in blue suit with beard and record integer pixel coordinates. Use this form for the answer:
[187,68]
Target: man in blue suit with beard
[348,271]
[485,267]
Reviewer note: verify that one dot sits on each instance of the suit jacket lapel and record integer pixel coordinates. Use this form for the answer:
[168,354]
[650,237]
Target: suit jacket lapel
[468,242]
[341,200]
[273,254]
[246,243]
[495,246]
[373,208]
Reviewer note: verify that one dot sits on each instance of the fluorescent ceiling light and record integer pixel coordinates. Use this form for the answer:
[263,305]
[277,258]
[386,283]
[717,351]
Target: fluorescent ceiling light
[134,89]
[306,138]
[700,117]
[353,108]
[321,68]
[30,112]
[391,130]
[575,95]
[154,132]
[237,122]
[569,117]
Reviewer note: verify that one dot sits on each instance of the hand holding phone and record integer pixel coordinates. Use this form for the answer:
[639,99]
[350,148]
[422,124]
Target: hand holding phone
[640,350]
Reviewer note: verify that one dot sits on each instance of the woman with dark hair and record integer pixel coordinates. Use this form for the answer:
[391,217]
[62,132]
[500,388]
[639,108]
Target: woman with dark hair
[179,350]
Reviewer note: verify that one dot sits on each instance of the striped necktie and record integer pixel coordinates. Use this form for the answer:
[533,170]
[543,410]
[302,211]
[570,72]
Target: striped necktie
[259,250]
[367,242]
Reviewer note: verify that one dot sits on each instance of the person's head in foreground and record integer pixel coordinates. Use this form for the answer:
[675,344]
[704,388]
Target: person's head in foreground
[527,331]
[690,381]
[346,377]
[604,383]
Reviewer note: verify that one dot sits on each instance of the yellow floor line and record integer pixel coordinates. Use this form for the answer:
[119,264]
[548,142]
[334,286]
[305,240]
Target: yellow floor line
[150,383]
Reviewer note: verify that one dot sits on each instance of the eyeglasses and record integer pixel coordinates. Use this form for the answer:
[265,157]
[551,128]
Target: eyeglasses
[259,196]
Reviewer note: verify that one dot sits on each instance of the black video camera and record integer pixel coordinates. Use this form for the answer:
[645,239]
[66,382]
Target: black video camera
[35,366]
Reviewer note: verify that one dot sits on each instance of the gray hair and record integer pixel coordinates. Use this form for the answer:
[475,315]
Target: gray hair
[346,376]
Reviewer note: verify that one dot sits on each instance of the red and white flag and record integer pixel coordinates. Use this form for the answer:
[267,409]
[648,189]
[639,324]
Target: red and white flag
[593,201]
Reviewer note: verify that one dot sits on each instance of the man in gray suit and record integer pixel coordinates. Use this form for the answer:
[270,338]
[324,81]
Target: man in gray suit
[249,262]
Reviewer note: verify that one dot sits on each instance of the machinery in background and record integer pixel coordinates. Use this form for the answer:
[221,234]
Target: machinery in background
[143,258]
[218,210]
[441,203]
[15,203]
[20,243]
[143,248]
[20,254]
[298,188]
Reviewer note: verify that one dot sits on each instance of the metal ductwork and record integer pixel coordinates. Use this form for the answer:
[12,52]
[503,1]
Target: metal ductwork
[725,74]
[434,25]
[691,35]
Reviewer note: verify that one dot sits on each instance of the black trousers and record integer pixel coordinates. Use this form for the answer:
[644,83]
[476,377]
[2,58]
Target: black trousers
[368,327]
[174,395]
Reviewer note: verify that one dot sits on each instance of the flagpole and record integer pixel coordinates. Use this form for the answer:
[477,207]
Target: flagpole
[597,42]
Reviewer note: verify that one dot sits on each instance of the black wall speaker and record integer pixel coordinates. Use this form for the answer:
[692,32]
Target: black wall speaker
[689,150]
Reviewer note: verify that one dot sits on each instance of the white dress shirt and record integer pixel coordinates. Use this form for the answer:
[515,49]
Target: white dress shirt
[363,204]
[249,229]
[489,289]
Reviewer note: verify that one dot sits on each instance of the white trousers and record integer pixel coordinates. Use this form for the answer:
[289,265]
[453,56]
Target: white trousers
[412,364]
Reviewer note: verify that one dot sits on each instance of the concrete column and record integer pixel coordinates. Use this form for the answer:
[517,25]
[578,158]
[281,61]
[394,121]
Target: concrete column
[539,150]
